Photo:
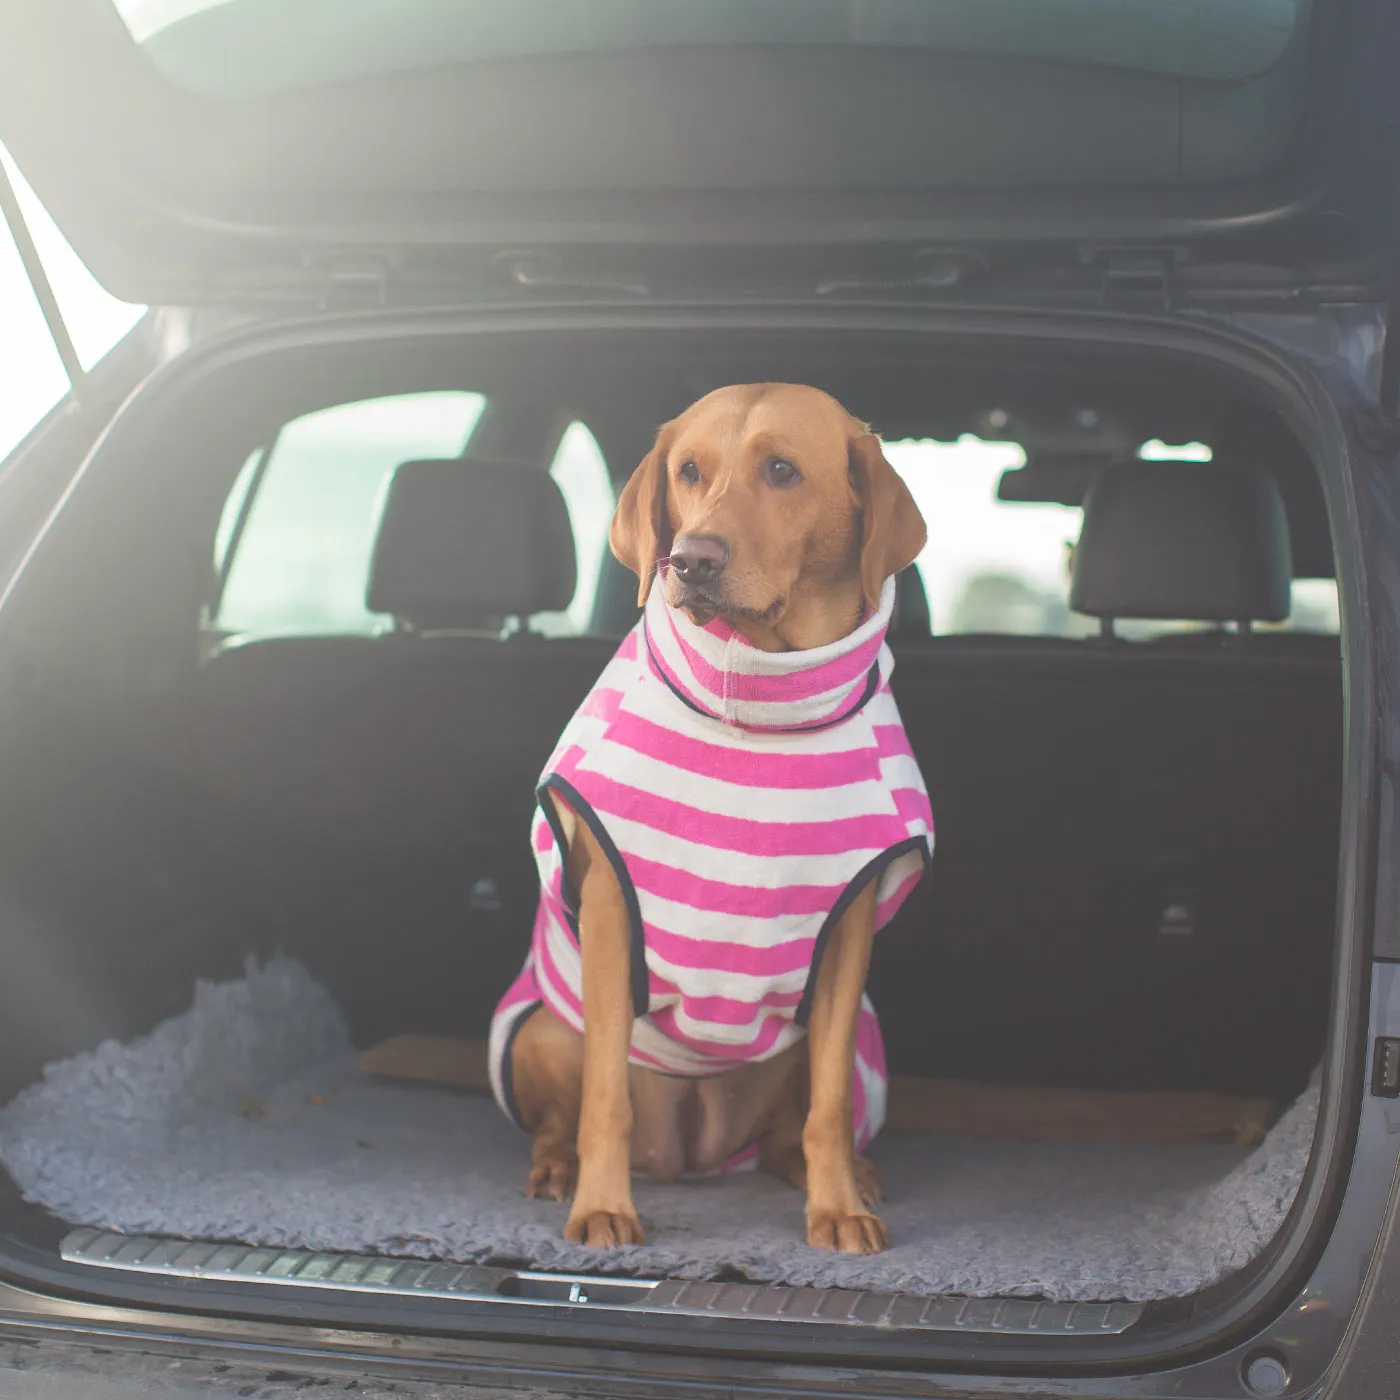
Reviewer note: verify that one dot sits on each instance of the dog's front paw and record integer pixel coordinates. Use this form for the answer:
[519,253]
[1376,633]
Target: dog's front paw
[604,1229]
[847,1232]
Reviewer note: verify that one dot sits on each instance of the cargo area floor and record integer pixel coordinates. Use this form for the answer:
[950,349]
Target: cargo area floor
[245,1119]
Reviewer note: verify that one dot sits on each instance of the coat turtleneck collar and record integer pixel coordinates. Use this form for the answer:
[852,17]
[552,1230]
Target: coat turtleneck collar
[718,672]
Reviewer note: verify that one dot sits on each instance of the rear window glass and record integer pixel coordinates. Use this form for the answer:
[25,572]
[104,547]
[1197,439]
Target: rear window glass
[240,47]
[296,534]
[1004,566]
[582,477]
[294,542]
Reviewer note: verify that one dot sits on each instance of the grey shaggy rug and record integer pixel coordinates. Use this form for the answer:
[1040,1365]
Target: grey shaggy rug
[245,1119]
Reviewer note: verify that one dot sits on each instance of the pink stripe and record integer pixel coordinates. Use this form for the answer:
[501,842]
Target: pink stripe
[566,766]
[857,1106]
[627,651]
[557,905]
[852,700]
[740,765]
[912,806]
[559,996]
[890,905]
[729,1011]
[710,954]
[795,685]
[640,1057]
[870,1051]
[601,704]
[543,914]
[890,740]
[522,991]
[555,986]
[839,836]
[723,1011]
[660,987]
[659,665]
[744,1158]
[718,897]
[556,994]
[763,1041]
[870,1044]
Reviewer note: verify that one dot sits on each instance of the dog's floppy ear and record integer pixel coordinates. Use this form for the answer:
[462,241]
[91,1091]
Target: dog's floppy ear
[641,534]
[892,530]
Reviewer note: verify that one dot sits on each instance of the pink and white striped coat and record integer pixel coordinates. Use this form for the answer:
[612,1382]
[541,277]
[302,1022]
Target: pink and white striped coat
[744,798]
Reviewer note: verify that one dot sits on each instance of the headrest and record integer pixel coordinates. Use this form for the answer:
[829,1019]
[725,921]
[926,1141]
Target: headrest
[467,542]
[1195,541]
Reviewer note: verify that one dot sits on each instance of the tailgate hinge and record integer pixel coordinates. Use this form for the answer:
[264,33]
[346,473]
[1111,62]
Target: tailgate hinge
[1138,277]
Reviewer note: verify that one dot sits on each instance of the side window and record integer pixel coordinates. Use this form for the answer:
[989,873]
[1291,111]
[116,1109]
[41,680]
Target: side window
[298,528]
[1004,566]
[582,477]
[989,566]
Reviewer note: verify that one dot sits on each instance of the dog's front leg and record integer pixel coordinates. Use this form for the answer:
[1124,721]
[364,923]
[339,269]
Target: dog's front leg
[603,1214]
[837,1217]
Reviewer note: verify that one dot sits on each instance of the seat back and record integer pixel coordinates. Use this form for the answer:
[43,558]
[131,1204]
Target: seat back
[1134,882]
[366,800]
[470,542]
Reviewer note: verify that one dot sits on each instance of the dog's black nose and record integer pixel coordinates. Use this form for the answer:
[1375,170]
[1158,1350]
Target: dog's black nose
[699,558]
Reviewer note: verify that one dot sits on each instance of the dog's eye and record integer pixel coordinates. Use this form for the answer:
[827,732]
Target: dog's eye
[780,473]
[689,472]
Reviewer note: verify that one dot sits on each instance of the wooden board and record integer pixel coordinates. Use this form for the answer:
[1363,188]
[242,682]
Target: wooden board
[430,1059]
[1038,1113]
[965,1108]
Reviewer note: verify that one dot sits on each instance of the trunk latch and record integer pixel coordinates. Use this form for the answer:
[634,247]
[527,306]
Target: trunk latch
[354,282]
[1135,276]
[1385,1068]
[538,269]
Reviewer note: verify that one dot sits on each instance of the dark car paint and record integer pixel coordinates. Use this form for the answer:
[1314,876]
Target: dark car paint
[1298,1312]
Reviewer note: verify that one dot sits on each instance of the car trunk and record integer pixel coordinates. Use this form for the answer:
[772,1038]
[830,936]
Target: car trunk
[1023,230]
[1132,897]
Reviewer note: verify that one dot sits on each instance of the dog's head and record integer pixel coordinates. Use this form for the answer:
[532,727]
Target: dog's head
[762,500]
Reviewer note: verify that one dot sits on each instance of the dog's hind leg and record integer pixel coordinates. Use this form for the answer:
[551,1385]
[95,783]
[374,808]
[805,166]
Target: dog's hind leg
[546,1065]
[780,1148]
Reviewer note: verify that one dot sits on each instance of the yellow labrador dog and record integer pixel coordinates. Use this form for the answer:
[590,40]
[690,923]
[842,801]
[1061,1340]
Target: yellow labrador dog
[673,1018]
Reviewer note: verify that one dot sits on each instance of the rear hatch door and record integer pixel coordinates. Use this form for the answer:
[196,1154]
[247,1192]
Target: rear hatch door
[227,150]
